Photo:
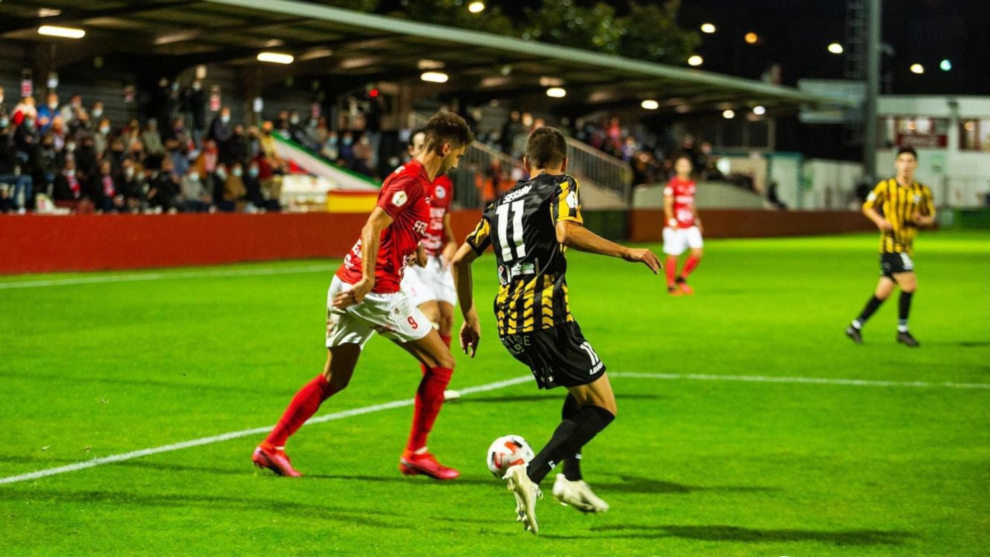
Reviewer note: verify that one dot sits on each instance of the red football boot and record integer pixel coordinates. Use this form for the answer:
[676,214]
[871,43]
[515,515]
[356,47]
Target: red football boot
[275,460]
[412,463]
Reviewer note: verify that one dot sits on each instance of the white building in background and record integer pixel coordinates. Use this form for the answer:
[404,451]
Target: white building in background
[952,137]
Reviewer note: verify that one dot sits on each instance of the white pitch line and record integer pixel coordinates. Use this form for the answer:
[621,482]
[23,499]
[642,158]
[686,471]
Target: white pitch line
[807,380]
[470,390]
[101,279]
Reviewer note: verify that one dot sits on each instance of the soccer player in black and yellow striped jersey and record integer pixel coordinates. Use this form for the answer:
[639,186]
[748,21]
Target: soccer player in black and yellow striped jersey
[529,229]
[898,206]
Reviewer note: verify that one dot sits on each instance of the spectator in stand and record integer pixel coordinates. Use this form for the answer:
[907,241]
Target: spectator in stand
[96,114]
[206,164]
[347,148]
[103,190]
[164,100]
[236,149]
[68,187]
[252,187]
[233,187]
[363,156]
[221,129]
[331,147]
[26,136]
[45,163]
[12,174]
[115,153]
[197,109]
[48,112]
[87,159]
[163,188]
[131,185]
[152,139]
[73,114]
[269,180]
[131,135]
[101,136]
[196,196]
[24,109]
[3,106]
[58,132]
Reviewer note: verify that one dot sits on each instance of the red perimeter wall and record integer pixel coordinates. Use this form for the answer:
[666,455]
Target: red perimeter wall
[42,243]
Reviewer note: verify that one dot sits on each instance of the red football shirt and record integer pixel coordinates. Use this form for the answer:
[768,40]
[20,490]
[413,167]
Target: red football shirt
[404,198]
[683,193]
[441,193]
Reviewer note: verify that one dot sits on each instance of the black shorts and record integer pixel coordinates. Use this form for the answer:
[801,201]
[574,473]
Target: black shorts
[558,356]
[893,263]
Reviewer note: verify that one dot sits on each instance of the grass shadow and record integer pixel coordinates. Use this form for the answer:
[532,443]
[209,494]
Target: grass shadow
[633,484]
[725,533]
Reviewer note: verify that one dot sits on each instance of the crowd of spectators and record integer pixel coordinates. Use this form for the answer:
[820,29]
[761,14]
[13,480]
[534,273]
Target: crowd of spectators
[74,156]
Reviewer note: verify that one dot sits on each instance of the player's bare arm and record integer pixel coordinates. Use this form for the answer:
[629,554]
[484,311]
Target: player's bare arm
[574,235]
[450,241]
[470,334]
[668,212]
[371,237]
[874,216]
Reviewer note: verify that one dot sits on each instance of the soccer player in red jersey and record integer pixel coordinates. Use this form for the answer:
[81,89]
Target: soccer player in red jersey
[683,227]
[430,284]
[364,298]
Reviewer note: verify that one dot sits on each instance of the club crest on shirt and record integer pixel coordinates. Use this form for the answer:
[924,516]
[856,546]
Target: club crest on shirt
[439,192]
[399,198]
[572,199]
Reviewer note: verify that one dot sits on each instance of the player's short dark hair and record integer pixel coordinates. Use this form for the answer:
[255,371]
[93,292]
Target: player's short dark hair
[446,127]
[546,147]
[910,150]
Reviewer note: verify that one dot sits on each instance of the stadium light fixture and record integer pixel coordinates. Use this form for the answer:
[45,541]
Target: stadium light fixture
[945,65]
[759,110]
[434,77]
[695,60]
[63,32]
[556,92]
[275,57]
[917,68]
[728,114]
[835,48]
[650,104]
[751,38]
[476,7]
[708,28]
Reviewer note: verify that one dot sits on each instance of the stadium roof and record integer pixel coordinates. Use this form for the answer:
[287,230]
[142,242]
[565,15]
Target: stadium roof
[359,48]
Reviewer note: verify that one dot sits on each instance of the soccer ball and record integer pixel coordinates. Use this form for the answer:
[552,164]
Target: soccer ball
[507,451]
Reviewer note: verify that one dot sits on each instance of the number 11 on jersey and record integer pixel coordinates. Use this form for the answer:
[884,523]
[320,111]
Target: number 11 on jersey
[502,211]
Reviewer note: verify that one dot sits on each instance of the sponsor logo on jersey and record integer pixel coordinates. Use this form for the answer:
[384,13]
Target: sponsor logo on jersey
[399,198]
[419,226]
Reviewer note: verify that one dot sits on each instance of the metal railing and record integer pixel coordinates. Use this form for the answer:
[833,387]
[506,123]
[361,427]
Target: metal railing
[589,165]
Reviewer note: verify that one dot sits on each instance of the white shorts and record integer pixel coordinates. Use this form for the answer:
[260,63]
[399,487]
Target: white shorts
[426,284]
[676,240]
[392,315]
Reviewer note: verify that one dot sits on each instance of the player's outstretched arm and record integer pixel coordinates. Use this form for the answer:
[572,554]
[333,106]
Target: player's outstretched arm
[574,235]
[371,239]
[470,334]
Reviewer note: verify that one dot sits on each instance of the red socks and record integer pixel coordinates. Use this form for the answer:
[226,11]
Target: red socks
[670,268]
[429,400]
[306,402]
[689,265]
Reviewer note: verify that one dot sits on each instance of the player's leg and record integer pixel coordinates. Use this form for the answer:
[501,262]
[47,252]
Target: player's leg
[907,282]
[345,337]
[692,237]
[673,247]
[883,290]
[438,362]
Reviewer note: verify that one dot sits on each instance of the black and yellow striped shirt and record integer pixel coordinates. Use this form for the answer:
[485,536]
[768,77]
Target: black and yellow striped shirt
[898,205]
[532,292]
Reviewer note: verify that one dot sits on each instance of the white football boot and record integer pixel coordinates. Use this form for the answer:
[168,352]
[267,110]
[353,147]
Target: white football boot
[577,494]
[526,492]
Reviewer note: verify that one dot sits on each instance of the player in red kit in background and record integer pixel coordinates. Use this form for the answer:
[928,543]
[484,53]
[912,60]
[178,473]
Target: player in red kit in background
[682,227]
[364,298]
[429,283]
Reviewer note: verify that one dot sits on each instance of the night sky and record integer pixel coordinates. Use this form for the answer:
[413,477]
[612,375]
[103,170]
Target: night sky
[795,34]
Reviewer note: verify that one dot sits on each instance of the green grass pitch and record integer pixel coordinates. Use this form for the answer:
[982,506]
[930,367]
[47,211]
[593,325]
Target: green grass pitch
[693,465]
